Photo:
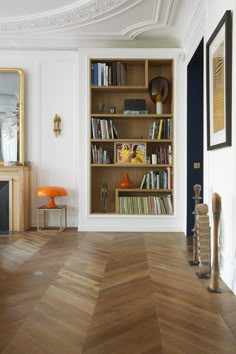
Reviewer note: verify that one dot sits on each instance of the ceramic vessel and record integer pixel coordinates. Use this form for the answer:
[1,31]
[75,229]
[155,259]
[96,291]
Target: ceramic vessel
[126,182]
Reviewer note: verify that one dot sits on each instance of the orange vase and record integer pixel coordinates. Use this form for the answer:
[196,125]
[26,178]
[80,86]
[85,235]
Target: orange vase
[126,182]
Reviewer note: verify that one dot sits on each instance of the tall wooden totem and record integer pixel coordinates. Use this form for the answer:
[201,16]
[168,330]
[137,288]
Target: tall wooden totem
[215,274]
[203,239]
[197,189]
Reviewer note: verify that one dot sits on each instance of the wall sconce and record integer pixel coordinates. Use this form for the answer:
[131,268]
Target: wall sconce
[57,125]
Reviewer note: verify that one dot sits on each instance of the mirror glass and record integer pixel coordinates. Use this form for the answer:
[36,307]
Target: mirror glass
[11,116]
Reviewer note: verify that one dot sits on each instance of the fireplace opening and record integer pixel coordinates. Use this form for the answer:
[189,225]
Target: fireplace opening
[4,206]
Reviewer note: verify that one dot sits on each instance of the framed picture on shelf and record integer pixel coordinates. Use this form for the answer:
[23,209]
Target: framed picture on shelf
[219,84]
[130,153]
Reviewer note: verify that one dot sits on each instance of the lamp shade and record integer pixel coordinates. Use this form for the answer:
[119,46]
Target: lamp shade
[51,192]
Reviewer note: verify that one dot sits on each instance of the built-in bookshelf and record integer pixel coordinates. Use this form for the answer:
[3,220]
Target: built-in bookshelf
[116,127]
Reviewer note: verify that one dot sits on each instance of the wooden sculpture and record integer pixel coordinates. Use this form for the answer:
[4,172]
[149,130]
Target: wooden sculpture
[104,196]
[203,239]
[197,189]
[215,276]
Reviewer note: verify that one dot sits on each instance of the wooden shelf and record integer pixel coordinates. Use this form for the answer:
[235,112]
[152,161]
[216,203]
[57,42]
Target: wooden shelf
[130,116]
[120,88]
[139,190]
[129,165]
[132,140]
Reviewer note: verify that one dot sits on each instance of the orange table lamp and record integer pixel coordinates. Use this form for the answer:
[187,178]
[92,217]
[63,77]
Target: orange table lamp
[51,192]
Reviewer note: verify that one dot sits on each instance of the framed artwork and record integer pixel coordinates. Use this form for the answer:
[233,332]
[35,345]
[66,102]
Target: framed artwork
[219,84]
[130,153]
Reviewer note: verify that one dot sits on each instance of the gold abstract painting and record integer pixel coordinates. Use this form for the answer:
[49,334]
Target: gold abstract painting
[219,84]
[218,89]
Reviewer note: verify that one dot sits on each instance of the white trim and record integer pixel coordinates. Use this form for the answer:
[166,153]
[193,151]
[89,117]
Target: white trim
[195,32]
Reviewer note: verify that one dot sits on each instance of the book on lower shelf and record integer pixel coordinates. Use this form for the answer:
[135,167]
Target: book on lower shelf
[150,205]
[103,129]
[161,129]
[100,155]
[157,179]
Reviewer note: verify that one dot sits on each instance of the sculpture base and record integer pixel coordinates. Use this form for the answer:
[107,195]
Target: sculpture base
[215,291]
[203,276]
[193,263]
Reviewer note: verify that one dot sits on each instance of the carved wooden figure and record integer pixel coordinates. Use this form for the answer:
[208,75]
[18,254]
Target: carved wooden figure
[215,276]
[197,189]
[203,239]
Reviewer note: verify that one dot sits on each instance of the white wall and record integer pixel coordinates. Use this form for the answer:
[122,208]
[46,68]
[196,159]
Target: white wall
[50,88]
[101,222]
[219,165]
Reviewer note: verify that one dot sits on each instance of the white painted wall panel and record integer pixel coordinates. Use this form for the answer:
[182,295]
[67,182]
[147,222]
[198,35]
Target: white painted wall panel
[51,83]
[58,155]
[221,167]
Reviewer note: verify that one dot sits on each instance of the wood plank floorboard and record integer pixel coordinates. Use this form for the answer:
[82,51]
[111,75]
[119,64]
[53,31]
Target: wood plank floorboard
[109,293]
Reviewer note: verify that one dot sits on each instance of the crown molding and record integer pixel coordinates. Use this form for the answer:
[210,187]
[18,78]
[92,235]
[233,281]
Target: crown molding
[195,32]
[79,14]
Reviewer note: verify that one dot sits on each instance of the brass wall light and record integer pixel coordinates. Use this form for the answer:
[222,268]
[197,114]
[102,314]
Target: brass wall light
[57,125]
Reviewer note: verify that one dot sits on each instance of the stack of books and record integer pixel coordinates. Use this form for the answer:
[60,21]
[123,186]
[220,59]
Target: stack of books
[109,74]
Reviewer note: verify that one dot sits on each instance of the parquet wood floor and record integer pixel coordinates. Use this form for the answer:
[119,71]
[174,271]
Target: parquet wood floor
[105,293]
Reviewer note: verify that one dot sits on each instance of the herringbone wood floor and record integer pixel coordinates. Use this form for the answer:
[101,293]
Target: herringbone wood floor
[105,293]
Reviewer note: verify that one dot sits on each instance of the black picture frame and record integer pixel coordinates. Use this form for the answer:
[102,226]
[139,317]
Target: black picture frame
[219,84]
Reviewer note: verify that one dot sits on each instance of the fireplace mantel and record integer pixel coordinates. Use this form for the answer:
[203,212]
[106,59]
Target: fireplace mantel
[19,193]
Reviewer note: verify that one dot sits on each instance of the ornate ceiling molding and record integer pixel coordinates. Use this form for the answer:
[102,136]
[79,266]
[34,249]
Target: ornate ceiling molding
[81,13]
[158,21]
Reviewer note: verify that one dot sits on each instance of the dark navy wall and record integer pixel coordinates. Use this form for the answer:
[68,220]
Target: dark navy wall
[194,130]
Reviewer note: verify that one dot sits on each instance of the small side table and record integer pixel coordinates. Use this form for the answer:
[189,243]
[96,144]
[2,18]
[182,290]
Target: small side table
[62,210]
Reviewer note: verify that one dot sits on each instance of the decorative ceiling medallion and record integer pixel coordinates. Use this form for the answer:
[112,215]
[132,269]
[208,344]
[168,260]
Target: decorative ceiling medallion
[79,14]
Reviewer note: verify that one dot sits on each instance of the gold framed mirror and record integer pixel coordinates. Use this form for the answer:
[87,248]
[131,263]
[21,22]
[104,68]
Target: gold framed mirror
[12,116]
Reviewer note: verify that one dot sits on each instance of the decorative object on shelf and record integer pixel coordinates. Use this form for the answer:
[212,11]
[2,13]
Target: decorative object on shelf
[51,192]
[57,125]
[126,182]
[219,84]
[197,189]
[130,153]
[135,104]
[215,274]
[148,160]
[159,91]
[158,104]
[112,109]
[203,238]
[104,196]
[100,107]
[154,159]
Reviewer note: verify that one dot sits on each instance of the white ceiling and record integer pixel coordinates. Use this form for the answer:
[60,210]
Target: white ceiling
[69,24]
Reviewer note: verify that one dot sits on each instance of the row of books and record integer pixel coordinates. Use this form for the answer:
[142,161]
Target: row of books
[157,180]
[161,129]
[100,155]
[151,205]
[163,155]
[109,74]
[103,129]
